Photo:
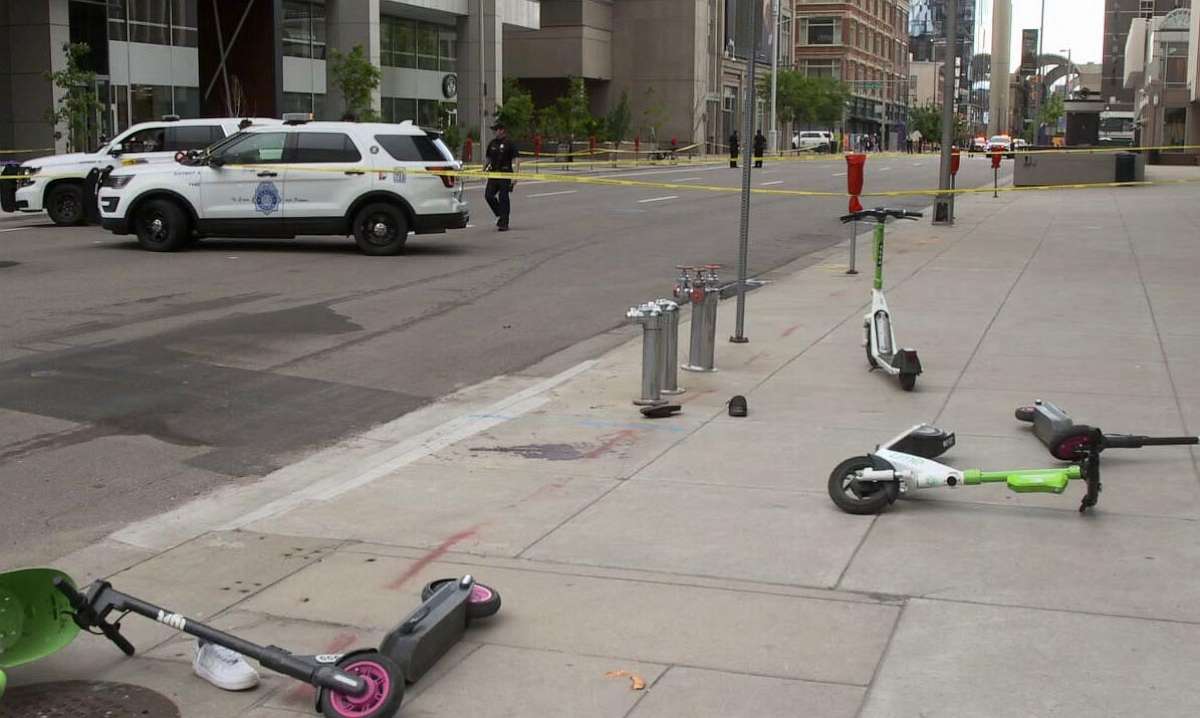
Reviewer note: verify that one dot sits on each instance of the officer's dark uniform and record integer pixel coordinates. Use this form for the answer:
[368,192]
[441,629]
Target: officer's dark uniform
[500,155]
[760,146]
[735,147]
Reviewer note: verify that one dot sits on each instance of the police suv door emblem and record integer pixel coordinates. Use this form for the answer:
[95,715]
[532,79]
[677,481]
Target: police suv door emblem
[266,198]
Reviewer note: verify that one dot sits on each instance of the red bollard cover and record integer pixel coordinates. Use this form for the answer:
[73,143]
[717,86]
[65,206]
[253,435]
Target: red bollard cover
[955,160]
[855,164]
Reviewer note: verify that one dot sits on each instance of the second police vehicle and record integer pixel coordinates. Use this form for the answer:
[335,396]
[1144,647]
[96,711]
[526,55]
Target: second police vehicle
[56,183]
[372,181]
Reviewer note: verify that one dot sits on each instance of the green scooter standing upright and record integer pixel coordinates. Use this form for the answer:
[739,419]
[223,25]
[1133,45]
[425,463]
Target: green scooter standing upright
[880,339]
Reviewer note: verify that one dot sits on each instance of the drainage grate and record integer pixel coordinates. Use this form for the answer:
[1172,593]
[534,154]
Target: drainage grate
[85,699]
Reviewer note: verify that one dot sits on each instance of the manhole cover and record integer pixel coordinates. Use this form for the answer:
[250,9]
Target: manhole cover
[85,699]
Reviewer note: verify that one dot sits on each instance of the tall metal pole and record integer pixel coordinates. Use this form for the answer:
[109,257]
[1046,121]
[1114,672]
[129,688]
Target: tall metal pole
[1037,118]
[946,202]
[773,138]
[739,336]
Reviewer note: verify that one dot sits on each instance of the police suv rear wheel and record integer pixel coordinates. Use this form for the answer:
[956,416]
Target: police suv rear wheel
[161,226]
[380,230]
[64,204]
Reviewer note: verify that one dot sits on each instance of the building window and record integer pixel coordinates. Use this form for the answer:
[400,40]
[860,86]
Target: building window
[822,68]
[820,30]
[150,102]
[155,22]
[398,40]
[304,102]
[303,29]
[423,45]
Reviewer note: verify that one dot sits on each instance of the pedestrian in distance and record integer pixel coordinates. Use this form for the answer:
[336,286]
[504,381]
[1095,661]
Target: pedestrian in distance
[501,156]
[735,146]
[760,146]
[796,141]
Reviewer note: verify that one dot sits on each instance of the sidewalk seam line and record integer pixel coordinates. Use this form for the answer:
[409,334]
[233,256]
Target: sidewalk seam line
[887,647]
[1137,263]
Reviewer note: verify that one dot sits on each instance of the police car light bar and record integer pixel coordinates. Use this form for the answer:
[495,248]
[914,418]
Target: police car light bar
[170,118]
[297,118]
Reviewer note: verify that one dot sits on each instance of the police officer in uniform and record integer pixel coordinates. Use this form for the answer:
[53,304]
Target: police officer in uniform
[501,154]
[760,146]
[734,149]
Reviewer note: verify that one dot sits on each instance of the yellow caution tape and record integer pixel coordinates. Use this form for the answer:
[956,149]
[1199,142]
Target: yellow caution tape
[467,173]
[22,152]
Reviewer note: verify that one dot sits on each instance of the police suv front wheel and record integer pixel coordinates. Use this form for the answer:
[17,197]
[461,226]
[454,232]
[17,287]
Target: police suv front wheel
[161,226]
[380,230]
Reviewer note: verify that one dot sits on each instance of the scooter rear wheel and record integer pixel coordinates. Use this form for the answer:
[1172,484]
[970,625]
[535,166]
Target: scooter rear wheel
[483,602]
[908,381]
[385,688]
[860,497]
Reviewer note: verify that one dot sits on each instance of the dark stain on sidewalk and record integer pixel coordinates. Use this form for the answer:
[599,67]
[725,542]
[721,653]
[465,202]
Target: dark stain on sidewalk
[564,452]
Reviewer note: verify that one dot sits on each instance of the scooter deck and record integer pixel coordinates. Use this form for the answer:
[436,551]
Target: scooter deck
[429,630]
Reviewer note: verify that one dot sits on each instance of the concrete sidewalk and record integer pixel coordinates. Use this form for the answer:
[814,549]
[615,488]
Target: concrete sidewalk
[703,553]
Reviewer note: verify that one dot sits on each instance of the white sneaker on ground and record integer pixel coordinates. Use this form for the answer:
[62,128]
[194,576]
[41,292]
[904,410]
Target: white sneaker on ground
[223,668]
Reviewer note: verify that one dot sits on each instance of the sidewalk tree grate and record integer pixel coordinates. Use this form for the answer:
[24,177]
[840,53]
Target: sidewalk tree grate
[84,699]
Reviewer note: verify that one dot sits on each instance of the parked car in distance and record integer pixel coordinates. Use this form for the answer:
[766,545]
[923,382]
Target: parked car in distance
[978,144]
[817,141]
[55,183]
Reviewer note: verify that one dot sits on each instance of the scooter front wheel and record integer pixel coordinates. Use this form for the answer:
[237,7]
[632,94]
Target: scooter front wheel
[385,688]
[908,381]
[855,496]
[483,602]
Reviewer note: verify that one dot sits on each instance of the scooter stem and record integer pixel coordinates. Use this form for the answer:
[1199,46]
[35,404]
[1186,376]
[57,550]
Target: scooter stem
[878,252]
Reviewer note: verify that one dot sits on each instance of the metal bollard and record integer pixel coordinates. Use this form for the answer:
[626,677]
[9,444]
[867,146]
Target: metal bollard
[651,318]
[668,378]
[704,295]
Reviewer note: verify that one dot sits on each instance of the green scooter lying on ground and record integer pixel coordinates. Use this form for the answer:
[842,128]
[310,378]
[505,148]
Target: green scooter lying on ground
[870,483]
[41,612]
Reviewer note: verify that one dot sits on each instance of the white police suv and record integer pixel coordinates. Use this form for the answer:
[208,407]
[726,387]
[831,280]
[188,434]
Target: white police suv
[301,178]
[56,183]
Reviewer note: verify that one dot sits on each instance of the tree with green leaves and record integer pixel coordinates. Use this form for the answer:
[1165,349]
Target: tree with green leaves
[517,112]
[1052,111]
[618,120]
[653,114]
[809,100]
[78,108]
[356,78]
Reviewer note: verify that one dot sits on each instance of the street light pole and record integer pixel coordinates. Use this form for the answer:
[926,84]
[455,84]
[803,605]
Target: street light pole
[1041,80]
[943,212]
[773,138]
[739,335]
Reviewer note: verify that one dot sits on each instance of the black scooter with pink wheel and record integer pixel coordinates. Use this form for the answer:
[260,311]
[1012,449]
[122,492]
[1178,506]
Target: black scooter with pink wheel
[366,683]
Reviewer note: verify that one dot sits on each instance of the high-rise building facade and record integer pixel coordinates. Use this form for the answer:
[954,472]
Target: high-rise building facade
[863,43]
[441,59]
[927,34]
[1117,16]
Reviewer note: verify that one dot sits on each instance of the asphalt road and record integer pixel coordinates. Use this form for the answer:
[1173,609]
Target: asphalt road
[132,381]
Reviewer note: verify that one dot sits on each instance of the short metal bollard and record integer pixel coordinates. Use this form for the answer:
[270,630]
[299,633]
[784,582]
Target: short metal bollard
[651,318]
[704,294]
[668,378]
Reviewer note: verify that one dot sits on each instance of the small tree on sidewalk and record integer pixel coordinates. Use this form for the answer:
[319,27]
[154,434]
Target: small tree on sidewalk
[619,119]
[78,107]
[356,78]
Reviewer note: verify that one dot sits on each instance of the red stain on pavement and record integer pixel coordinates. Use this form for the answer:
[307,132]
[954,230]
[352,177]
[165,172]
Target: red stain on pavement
[788,332]
[432,556]
[608,443]
[304,692]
